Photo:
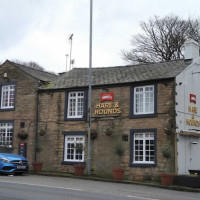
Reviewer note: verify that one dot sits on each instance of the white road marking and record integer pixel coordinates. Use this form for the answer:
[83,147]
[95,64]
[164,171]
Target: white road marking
[48,186]
[141,197]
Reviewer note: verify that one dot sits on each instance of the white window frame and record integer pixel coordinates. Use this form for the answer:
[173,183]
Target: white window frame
[140,149]
[146,98]
[6,134]
[7,96]
[74,112]
[70,151]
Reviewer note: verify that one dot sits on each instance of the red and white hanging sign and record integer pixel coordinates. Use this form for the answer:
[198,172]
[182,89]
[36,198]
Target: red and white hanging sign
[107,97]
[192,98]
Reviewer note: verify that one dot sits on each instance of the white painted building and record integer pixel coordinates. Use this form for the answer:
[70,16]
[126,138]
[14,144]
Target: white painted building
[188,112]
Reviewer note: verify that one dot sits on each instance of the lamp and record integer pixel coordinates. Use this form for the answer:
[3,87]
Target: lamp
[5,76]
[194,142]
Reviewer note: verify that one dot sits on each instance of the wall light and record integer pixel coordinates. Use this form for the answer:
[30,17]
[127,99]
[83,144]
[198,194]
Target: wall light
[5,75]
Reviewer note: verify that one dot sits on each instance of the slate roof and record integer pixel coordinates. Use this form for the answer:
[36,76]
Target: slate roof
[38,74]
[78,77]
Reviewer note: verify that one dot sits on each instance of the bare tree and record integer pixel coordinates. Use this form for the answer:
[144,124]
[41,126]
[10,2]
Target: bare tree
[34,65]
[162,39]
[30,64]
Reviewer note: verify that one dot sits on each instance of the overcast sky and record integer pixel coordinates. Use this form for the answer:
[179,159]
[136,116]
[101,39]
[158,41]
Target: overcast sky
[39,30]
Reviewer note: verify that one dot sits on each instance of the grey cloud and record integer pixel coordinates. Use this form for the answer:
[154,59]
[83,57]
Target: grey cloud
[19,17]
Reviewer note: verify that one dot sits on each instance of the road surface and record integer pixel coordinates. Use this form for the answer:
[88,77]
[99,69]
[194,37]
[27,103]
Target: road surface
[36,187]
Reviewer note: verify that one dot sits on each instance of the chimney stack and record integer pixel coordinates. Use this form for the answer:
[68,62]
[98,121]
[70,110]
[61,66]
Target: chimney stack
[191,49]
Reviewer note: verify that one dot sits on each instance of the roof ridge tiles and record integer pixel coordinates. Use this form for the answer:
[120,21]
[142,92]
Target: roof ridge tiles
[78,77]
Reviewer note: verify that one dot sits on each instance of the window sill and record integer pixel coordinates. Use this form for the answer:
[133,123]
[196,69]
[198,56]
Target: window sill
[72,163]
[75,119]
[142,165]
[7,109]
[143,116]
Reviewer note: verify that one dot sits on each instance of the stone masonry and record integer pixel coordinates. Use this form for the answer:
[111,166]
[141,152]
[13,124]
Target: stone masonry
[25,106]
[103,159]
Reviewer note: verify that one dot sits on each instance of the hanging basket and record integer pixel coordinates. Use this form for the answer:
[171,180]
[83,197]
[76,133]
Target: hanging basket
[42,132]
[168,131]
[23,135]
[108,132]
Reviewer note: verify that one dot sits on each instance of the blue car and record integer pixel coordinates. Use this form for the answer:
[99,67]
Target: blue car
[13,164]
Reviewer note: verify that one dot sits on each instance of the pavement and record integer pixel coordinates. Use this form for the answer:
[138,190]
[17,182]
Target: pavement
[96,178]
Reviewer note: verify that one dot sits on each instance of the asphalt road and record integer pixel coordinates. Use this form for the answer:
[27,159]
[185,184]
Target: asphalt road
[34,187]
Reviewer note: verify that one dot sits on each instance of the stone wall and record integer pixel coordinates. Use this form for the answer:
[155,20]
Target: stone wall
[25,106]
[103,159]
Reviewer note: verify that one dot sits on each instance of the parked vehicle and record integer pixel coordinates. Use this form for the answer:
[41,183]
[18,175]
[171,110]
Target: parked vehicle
[12,163]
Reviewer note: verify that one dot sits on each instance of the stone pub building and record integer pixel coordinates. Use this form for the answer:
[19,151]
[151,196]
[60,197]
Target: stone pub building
[137,104]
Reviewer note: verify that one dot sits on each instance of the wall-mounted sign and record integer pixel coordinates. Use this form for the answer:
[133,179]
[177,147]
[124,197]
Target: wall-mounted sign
[193,98]
[109,108]
[192,121]
[22,149]
[107,97]
[192,109]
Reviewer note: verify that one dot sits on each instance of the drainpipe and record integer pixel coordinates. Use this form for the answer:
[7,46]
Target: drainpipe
[36,125]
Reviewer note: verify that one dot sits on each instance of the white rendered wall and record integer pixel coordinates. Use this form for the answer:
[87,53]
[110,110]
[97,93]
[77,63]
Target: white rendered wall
[188,82]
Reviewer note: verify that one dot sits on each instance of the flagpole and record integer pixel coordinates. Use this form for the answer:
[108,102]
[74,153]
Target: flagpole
[90,91]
